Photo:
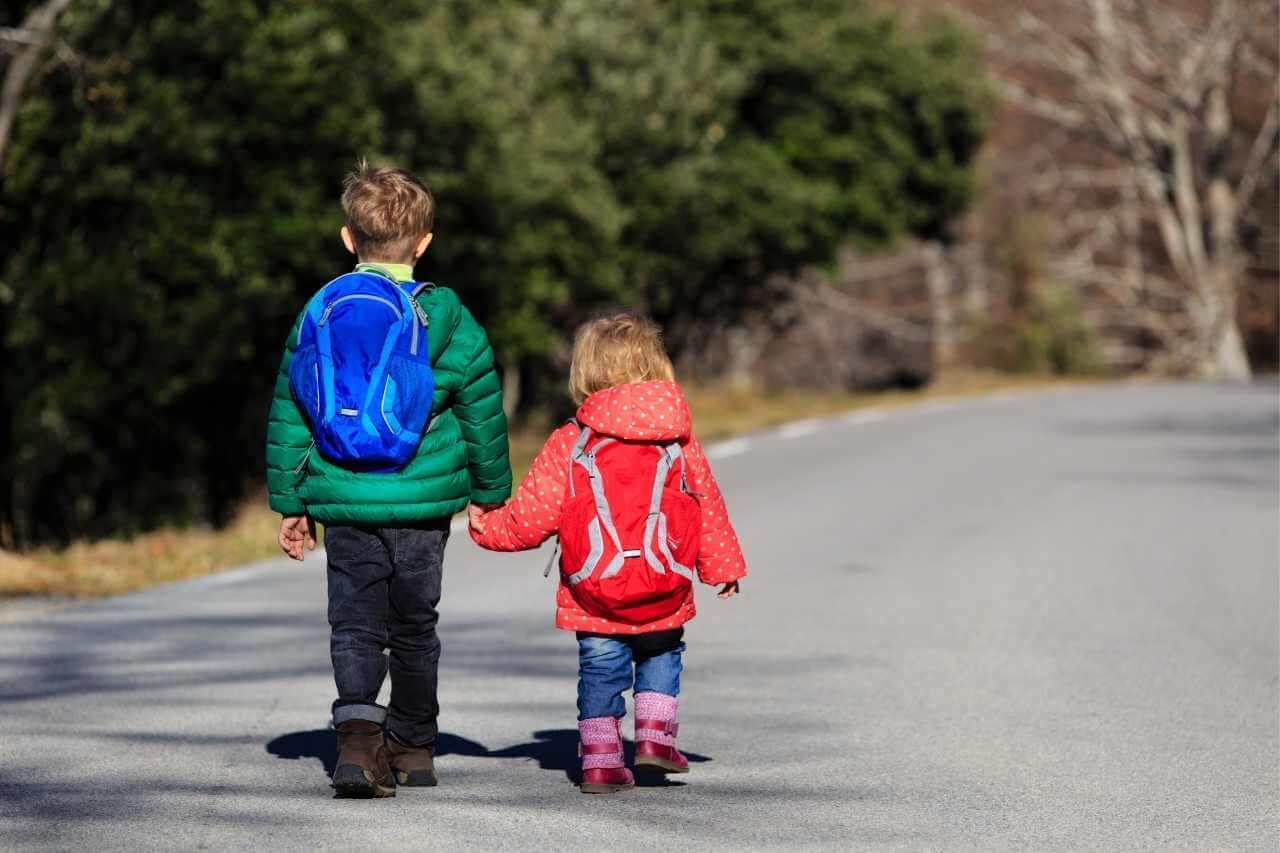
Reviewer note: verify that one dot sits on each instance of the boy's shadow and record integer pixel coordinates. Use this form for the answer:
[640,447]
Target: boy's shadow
[323,745]
[553,749]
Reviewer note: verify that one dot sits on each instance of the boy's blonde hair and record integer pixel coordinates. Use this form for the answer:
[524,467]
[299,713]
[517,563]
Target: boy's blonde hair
[388,212]
[615,350]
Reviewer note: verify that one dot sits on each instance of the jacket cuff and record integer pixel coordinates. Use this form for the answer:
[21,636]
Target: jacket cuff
[490,496]
[287,504]
[729,576]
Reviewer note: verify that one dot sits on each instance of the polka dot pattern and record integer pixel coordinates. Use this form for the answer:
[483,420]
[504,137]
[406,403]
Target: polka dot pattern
[638,411]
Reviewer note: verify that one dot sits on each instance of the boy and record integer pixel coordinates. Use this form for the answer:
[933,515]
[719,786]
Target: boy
[385,533]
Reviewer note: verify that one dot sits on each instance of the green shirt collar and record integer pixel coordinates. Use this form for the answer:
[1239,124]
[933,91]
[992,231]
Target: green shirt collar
[397,272]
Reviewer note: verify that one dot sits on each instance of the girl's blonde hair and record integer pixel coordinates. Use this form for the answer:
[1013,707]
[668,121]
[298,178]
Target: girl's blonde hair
[615,350]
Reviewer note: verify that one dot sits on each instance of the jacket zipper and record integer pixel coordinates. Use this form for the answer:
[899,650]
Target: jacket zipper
[305,457]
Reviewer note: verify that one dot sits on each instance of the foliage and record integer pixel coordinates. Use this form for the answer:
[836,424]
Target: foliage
[1042,328]
[167,207]
[170,200]
[1055,337]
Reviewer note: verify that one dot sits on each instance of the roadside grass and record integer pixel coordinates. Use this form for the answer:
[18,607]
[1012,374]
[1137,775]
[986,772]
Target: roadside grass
[114,566]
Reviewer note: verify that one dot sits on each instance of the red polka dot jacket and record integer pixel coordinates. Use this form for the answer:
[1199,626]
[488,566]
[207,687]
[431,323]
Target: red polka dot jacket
[637,411]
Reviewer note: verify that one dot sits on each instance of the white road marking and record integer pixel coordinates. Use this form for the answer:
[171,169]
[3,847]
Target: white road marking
[724,449]
[799,429]
[943,405]
[232,576]
[864,416]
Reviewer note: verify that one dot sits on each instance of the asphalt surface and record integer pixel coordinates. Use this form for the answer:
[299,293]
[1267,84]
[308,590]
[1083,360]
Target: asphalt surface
[1036,621]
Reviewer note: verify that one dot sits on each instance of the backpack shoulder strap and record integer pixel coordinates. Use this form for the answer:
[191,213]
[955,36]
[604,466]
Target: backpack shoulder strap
[587,459]
[579,447]
[656,523]
[414,292]
[584,435]
[655,526]
[672,452]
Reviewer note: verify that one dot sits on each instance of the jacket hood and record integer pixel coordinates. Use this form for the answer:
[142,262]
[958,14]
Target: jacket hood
[638,411]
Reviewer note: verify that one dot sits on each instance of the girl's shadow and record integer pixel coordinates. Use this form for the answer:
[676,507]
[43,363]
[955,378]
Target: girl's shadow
[557,749]
[553,749]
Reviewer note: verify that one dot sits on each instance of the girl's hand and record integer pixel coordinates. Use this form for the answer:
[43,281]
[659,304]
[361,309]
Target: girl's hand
[476,513]
[729,590]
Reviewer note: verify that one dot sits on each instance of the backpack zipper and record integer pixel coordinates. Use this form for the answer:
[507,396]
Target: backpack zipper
[324,318]
[417,310]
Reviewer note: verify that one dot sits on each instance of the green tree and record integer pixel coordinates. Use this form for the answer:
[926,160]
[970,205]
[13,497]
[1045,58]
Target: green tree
[850,128]
[171,201]
[168,204]
[563,140]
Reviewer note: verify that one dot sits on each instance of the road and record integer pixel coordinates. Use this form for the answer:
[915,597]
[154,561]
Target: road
[1039,621]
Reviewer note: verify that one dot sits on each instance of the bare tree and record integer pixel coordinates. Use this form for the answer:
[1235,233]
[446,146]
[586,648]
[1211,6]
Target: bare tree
[24,45]
[1160,89]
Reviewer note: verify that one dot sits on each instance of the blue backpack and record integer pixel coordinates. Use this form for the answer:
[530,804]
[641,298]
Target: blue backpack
[361,372]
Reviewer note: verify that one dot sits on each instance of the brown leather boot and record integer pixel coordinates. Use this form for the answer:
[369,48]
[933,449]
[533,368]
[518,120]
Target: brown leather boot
[362,769]
[413,766]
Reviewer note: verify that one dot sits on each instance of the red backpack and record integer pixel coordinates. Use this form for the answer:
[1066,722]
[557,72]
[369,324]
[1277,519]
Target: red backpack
[630,529]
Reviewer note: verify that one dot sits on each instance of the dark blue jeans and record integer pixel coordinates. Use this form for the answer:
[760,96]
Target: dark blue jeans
[605,669]
[384,585]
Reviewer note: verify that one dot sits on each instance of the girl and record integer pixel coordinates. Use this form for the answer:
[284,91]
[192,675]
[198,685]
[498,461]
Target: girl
[628,490]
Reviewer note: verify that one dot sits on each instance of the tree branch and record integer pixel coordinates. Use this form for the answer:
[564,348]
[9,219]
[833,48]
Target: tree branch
[38,29]
[1260,154]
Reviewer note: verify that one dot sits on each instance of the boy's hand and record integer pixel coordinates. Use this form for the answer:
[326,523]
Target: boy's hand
[297,535]
[729,590]
[475,515]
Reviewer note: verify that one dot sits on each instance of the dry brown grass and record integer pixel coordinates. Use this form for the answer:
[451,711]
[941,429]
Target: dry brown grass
[112,566]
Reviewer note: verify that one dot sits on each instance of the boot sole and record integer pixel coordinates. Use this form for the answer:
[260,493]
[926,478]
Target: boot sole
[596,788]
[417,779]
[653,764]
[354,782]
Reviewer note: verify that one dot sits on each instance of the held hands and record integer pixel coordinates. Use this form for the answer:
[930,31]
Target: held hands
[729,590]
[476,514]
[297,535]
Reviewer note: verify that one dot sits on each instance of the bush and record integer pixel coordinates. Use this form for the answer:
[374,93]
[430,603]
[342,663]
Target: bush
[171,200]
[1052,335]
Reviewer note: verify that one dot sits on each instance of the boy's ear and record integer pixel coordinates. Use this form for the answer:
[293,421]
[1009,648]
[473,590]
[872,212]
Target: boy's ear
[349,239]
[422,246]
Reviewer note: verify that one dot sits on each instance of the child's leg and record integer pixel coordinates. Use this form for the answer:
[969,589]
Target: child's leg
[657,686]
[604,672]
[358,570]
[418,557]
[659,663]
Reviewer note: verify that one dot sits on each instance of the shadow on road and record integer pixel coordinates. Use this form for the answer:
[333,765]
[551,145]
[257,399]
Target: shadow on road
[553,749]
[1219,447]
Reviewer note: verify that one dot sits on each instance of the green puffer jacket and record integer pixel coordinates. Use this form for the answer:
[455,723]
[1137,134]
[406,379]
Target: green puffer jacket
[462,457]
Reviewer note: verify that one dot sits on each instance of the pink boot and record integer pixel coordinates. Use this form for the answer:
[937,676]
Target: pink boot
[656,729]
[600,747]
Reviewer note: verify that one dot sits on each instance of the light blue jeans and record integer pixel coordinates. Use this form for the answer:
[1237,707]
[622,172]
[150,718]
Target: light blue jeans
[608,666]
